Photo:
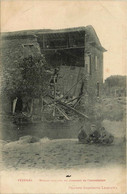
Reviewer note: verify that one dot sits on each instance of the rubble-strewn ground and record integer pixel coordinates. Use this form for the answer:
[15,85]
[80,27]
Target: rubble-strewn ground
[20,153]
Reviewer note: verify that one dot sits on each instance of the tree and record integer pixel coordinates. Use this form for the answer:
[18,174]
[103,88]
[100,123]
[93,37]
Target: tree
[116,81]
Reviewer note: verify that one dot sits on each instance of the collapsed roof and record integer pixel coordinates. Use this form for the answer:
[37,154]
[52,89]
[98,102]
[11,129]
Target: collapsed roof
[88,30]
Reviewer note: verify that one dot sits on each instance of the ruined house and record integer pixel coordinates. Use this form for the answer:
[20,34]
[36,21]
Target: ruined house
[76,55]
[77,52]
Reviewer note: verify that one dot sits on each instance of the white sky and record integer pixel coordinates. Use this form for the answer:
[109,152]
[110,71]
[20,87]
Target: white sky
[108,18]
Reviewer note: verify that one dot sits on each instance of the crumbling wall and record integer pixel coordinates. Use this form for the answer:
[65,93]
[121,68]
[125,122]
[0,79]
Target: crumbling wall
[70,79]
[71,63]
[13,51]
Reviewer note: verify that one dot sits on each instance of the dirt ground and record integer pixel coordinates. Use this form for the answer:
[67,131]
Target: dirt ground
[51,153]
[62,153]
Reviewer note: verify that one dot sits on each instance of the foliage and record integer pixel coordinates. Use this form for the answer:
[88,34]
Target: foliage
[27,77]
[116,81]
[115,85]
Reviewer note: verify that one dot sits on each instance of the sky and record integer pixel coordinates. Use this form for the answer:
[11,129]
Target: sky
[108,18]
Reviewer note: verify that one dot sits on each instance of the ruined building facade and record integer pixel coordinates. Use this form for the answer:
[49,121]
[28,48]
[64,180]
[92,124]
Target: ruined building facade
[79,55]
[76,53]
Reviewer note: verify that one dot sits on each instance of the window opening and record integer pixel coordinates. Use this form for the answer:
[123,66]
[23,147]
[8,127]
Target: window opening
[98,89]
[96,63]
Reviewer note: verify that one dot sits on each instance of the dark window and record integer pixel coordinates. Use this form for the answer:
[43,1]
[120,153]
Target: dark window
[96,63]
[88,64]
[98,89]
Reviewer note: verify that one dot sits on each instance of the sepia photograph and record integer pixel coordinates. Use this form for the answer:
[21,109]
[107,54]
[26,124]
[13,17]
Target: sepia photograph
[63,97]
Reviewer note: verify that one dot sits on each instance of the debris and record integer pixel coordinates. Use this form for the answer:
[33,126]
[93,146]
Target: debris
[100,136]
[73,109]
[64,114]
[28,139]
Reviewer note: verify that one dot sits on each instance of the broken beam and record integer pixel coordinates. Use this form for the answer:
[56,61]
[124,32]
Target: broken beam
[62,113]
[73,109]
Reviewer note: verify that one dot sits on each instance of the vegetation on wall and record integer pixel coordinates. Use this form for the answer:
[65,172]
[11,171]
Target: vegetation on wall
[116,80]
[27,77]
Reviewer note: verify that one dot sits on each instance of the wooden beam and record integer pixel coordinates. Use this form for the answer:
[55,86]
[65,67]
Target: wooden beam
[57,109]
[77,102]
[55,49]
[62,113]
[73,109]
[76,98]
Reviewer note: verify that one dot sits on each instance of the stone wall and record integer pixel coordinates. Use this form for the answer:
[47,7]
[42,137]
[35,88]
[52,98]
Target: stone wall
[17,47]
[13,50]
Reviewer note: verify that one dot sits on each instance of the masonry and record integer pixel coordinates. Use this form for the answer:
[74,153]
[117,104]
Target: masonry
[76,52]
[15,47]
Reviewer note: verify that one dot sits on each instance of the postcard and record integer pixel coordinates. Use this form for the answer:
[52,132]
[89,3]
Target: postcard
[63,97]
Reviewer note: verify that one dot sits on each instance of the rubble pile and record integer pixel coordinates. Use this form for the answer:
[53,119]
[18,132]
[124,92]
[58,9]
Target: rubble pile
[61,108]
[93,135]
[54,104]
[58,105]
